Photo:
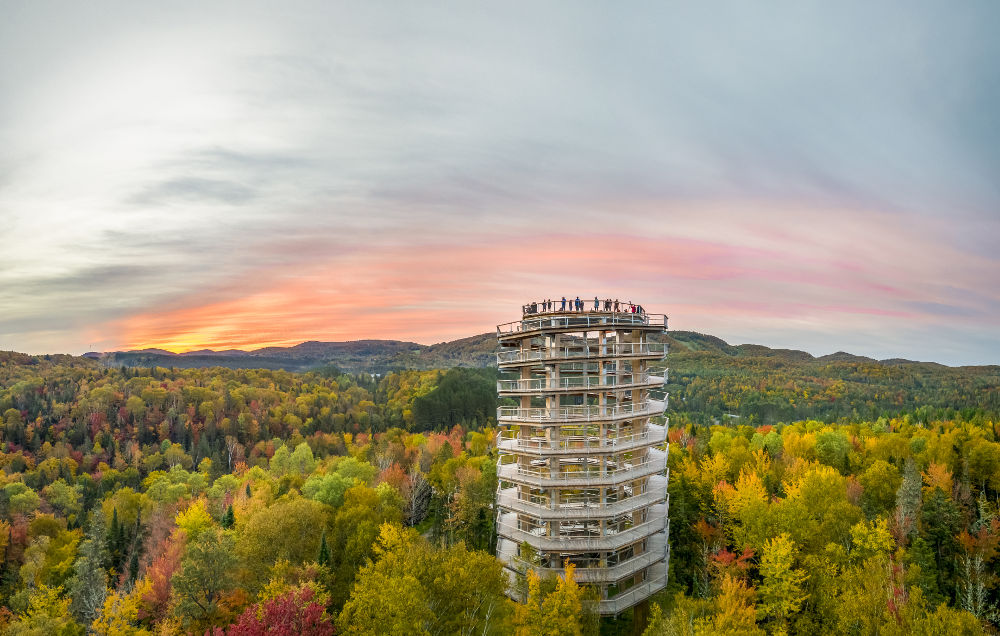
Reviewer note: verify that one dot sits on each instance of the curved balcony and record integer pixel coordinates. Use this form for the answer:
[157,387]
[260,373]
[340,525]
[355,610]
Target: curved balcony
[580,321]
[594,368]
[508,501]
[656,581]
[572,414]
[631,350]
[507,527]
[655,551]
[574,384]
[579,444]
[545,478]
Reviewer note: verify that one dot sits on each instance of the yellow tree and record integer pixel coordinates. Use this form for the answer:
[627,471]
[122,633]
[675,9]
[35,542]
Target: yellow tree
[120,616]
[781,591]
[412,588]
[734,611]
[557,614]
[47,613]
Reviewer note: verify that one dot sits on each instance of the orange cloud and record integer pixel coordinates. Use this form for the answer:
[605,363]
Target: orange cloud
[429,292]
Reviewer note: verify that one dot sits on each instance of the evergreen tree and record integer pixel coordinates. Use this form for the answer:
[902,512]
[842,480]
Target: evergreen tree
[133,566]
[941,522]
[324,551]
[136,548]
[908,500]
[114,541]
[88,586]
[923,570]
[229,519]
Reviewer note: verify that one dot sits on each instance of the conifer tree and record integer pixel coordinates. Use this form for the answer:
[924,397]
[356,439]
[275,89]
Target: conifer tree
[229,519]
[908,499]
[88,586]
[324,551]
[133,566]
[115,541]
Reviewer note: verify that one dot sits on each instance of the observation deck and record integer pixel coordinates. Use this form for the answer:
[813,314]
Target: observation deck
[583,455]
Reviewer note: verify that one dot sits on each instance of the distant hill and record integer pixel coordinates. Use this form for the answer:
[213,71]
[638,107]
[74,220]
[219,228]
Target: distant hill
[357,356]
[381,356]
[709,380]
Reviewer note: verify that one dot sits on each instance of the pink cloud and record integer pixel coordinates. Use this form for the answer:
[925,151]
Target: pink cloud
[430,290]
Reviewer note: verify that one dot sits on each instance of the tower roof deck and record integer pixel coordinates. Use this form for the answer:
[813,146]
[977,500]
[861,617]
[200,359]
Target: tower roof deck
[559,320]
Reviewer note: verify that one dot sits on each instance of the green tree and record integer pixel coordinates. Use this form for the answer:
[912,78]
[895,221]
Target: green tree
[206,572]
[880,481]
[20,498]
[832,448]
[355,528]
[285,530]
[447,591]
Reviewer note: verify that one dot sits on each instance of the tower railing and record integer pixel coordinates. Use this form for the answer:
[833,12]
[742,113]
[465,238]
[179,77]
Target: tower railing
[616,350]
[540,541]
[543,477]
[508,499]
[577,382]
[580,413]
[582,320]
[510,440]
[586,574]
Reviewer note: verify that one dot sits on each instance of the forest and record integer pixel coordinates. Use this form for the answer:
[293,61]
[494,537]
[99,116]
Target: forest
[807,496]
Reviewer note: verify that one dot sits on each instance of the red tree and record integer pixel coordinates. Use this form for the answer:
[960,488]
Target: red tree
[294,612]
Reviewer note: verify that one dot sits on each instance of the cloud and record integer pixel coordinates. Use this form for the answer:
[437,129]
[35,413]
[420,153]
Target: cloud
[200,172]
[186,189]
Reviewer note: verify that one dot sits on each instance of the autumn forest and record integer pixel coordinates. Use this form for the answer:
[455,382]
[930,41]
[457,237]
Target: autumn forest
[807,495]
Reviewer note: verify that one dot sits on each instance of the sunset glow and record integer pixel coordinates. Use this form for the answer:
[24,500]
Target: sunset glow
[239,180]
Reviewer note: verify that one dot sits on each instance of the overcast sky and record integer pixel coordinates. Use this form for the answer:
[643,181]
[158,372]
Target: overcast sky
[816,175]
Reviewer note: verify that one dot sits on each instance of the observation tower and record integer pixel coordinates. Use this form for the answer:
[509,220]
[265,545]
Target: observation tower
[583,457]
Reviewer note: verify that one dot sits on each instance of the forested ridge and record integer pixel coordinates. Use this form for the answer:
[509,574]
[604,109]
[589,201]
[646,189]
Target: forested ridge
[845,496]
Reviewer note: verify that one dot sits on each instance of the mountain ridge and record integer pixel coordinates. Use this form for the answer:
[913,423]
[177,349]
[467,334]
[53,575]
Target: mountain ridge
[383,355]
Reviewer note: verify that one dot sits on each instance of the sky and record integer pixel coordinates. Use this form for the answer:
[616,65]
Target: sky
[813,175]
